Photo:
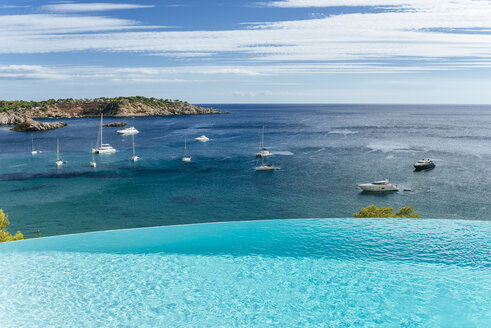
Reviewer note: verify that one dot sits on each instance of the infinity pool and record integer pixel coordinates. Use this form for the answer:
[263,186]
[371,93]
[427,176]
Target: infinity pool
[316,272]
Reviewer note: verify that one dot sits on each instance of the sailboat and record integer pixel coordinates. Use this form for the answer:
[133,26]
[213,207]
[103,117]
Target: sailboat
[103,148]
[186,158]
[134,158]
[59,161]
[93,163]
[264,152]
[265,167]
[33,152]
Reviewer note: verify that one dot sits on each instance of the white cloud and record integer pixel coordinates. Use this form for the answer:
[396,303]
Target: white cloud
[88,7]
[390,41]
[28,72]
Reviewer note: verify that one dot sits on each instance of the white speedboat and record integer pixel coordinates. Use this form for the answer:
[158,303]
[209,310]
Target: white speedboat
[130,130]
[203,138]
[264,152]
[134,158]
[186,158]
[424,164]
[383,185]
[59,161]
[103,148]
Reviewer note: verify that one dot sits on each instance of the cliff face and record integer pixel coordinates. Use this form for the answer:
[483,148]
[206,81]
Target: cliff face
[11,113]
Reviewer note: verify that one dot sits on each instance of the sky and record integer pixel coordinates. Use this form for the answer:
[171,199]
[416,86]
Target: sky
[245,51]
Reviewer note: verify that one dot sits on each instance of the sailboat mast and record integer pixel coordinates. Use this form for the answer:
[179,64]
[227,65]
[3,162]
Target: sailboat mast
[32,143]
[185,150]
[262,139]
[133,137]
[57,149]
[101,129]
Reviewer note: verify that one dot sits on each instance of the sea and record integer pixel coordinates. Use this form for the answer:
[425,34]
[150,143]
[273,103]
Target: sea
[321,151]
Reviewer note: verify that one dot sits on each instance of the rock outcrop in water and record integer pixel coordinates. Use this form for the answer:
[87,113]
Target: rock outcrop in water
[12,112]
[30,125]
[115,124]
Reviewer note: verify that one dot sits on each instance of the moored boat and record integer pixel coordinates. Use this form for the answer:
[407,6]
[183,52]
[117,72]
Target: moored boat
[424,164]
[382,185]
[130,130]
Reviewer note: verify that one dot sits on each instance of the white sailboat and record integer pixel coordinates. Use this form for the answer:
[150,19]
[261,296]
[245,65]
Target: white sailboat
[103,148]
[265,167]
[186,158]
[59,161]
[93,163]
[134,158]
[263,152]
[33,152]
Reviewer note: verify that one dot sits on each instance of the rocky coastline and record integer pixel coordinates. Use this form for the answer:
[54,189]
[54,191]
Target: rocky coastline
[29,125]
[22,112]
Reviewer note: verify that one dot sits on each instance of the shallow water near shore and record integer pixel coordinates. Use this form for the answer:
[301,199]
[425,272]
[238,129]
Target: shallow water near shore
[322,150]
[289,273]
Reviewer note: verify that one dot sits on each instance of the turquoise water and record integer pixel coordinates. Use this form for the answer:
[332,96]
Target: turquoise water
[322,150]
[288,273]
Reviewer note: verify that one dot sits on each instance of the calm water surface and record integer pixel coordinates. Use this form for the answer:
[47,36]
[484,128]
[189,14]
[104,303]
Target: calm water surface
[281,273]
[322,150]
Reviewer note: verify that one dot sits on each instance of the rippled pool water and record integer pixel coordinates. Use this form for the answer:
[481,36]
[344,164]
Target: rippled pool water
[318,272]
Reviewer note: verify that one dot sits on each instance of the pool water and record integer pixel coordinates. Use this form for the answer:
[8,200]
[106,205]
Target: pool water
[286,273]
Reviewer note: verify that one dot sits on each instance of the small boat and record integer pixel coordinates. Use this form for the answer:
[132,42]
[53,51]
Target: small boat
[130,130]
[203,138]
[383,185]
[93,163]
[264,152]
[424,164]
[134,158]
[103,148]
[33,152]
[265,167]
[59,161]
[186,158]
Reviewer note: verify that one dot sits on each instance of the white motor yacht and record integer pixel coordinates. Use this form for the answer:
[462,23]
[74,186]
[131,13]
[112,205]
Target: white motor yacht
[103,148]
[383,185]
[203,138]
[130,130]
[424,164]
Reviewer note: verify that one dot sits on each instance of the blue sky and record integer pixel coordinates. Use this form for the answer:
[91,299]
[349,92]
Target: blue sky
[218,51]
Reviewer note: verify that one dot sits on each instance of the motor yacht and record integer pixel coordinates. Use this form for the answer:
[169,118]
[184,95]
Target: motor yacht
[203,138]
[130,130]
[383,185]
[424,164]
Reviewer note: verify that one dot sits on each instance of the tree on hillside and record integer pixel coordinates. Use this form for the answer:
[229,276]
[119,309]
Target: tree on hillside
[4,234]
[373,211]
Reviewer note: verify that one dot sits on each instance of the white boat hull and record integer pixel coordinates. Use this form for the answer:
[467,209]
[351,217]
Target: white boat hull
[265,168]
[103,151]
[202,139]
[186,159]
[378,188]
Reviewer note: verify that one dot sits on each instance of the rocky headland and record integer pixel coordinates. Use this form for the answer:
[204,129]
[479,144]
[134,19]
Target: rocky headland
[115,124]
[19,112]
[29,125]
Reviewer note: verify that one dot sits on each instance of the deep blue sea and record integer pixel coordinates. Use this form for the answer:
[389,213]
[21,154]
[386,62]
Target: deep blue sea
[322,152]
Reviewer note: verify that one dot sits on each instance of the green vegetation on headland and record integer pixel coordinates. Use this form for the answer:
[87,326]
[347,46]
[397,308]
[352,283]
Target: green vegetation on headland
[98,105]
[4,234]
[373,211]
